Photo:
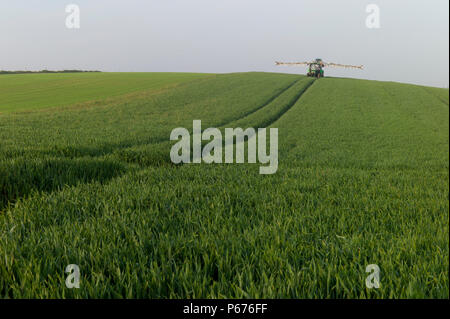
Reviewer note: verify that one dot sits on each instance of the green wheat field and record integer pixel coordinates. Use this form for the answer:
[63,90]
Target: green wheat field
[86,179]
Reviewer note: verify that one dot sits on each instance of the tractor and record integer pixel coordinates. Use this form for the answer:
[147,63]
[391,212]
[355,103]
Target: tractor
[315,68]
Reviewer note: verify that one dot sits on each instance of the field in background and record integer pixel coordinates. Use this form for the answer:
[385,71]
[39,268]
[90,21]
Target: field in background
[362,179]
[20,92]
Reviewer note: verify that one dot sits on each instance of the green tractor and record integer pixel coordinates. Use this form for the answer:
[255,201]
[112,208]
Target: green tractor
[315,68]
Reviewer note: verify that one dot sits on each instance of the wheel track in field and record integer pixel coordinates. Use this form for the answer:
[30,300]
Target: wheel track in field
[283,111]
[156,155]
[276,117]
[157,141]
[223,124]
[269,121]
[435,96]
[270,100]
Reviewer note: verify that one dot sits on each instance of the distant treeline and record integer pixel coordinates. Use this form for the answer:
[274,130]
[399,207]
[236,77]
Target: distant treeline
[43,71]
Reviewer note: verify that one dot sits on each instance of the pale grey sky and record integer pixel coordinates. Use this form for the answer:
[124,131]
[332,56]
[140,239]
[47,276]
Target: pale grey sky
[411,45]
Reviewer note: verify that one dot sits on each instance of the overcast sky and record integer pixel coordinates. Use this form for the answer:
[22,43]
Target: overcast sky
[411,45]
